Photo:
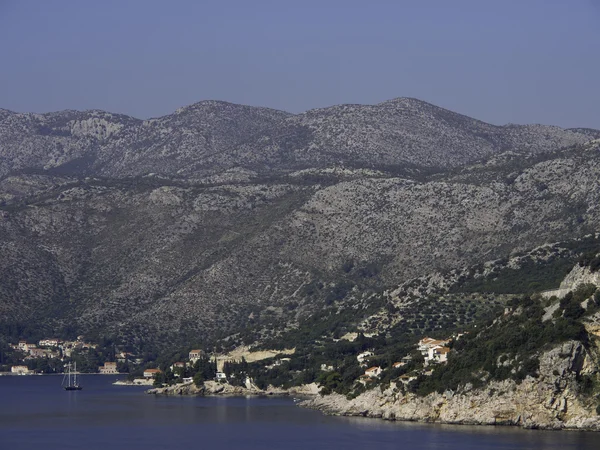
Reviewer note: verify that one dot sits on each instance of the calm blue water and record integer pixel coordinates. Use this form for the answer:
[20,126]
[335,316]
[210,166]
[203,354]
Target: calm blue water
[35,413]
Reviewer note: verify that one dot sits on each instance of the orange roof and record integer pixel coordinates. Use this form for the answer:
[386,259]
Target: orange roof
[196,351]
[152,370]
[442,349]
[370,369]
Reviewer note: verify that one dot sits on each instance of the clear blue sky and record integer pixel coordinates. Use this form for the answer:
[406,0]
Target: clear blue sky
[519,61]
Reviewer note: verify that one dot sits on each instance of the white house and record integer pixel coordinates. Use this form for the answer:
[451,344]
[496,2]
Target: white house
[195,355]
[220,376]
[427,343]
[437,354]
[24,346]
[150,373]
[109,368]
[20,370]
[364,355]
[49,343]
[373,372]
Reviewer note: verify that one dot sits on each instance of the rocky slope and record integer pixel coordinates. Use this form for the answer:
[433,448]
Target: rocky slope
[151,257]
[227,237]
[551,401]
[210,137]
[535,365]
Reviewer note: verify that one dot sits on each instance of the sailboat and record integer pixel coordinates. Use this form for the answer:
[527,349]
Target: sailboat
[69,382]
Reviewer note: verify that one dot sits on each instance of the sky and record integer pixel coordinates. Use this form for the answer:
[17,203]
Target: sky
[502,61]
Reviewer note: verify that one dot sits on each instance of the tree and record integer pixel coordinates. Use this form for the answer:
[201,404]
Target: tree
[159,379]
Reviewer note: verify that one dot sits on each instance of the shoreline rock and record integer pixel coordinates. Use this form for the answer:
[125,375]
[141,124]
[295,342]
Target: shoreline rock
[136,382]
[213,388]
[552,401]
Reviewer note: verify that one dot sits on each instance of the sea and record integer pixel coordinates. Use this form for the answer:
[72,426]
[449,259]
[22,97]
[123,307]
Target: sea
[35,413]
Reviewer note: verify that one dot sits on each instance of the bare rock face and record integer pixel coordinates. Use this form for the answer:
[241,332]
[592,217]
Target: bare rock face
[551,401]
[578,276]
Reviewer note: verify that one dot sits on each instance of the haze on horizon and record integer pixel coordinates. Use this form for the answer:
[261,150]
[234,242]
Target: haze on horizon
[500,61]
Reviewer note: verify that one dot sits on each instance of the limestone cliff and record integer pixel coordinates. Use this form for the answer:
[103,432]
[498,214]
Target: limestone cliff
[554,400]
[578,276]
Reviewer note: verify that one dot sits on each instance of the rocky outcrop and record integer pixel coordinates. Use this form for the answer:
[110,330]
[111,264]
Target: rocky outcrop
[212,388]
[578,276]
[553,400]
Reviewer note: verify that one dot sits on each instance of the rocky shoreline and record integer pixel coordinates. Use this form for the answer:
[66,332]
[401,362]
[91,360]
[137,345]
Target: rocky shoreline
[136,382]
[550,402]
[213,388]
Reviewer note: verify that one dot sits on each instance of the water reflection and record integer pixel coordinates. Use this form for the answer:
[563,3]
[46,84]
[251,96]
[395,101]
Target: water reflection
[35,412]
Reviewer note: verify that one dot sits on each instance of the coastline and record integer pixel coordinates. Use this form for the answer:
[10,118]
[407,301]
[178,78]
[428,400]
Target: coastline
[136,382]
[516,405]
[474,409]
[213,388]
[551,401]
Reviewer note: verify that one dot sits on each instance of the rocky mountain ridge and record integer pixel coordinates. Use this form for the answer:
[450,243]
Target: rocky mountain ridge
[184,228]
[210,136]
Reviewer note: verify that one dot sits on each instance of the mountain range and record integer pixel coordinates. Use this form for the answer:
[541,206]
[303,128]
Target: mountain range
[222,218]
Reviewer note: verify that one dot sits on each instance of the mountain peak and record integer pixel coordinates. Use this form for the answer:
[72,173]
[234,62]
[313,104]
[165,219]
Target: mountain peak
[211,136]
[222,106]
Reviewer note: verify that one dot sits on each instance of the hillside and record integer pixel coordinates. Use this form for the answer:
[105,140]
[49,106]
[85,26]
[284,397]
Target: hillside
[114,256]
[211,137]
[203,224]
[535,365]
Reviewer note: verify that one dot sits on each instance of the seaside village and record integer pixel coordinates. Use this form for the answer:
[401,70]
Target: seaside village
[433,351]
[59,351]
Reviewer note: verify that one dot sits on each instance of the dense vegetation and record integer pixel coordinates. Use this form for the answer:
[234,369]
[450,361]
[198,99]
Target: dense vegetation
[537,272]
[509,347]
